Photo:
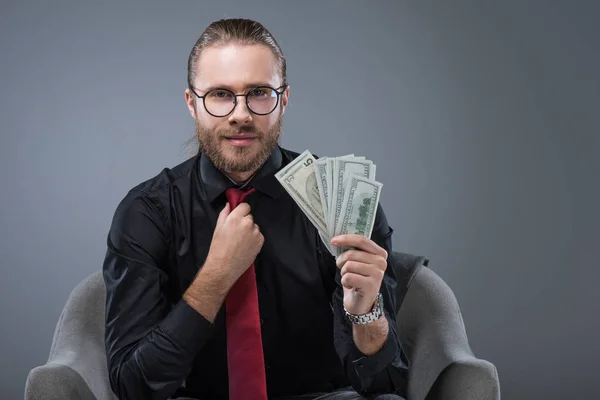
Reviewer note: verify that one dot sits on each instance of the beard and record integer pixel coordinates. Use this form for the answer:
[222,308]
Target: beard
[244,159]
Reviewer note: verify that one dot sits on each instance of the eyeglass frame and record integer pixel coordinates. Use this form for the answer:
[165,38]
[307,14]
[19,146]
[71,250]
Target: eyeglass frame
[235,96]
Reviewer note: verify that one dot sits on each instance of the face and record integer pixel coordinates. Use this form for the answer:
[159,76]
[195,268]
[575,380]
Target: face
[242,141]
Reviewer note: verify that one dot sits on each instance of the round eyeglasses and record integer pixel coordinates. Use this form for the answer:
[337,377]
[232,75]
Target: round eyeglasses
[262,100]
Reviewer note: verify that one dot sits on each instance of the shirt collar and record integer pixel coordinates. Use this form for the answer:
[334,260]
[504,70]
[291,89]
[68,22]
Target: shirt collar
[216,183]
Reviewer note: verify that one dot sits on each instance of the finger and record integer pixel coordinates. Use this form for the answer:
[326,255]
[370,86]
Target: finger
[223,214]
[359,242]
[241,210]
[355,267]
[358,255]
[356,282]
[250,217]
[261,238]
[256,230]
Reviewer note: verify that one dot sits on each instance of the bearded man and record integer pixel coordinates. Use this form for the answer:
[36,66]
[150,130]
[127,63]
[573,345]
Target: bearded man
[218,286]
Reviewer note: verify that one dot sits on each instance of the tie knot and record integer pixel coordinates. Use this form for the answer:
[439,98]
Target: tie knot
[236,196]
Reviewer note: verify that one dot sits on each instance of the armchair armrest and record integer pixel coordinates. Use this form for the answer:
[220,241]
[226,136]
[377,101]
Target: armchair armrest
[468,379]
[56,382]
[432,331]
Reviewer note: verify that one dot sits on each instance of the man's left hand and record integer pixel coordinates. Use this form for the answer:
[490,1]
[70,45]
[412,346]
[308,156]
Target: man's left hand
[362,271]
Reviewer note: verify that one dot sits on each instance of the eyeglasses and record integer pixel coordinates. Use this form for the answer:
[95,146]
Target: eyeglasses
[262,100]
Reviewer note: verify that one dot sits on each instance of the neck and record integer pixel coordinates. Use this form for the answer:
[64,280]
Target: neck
[241,177]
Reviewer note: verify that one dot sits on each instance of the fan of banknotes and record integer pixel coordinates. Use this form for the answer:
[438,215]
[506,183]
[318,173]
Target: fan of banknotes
[339,195]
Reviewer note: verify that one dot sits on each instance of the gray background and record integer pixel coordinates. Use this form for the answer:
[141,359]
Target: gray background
[481,116]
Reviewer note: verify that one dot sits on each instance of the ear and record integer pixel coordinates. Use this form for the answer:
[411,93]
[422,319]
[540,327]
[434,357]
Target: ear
[190,100]
[285,98]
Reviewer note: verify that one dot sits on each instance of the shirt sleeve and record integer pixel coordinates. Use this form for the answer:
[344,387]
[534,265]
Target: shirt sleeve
[385,371]
[151,337]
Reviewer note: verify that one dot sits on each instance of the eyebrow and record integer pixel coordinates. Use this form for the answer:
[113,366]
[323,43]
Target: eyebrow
[248,86]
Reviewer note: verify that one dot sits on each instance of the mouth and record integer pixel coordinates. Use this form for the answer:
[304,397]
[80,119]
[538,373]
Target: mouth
[240,140]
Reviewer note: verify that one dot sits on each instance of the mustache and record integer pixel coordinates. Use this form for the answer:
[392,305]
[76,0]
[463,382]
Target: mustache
[241,131]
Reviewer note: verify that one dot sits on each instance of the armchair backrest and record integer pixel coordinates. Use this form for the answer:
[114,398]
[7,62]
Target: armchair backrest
[431,329]
[79,335]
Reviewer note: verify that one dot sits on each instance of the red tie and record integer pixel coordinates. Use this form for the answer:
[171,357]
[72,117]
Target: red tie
[245,359]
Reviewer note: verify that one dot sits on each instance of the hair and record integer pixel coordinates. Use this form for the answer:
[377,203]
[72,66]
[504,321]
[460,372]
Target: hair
[235,31]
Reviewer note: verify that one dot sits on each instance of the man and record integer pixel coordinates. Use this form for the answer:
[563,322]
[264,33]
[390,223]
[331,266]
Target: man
[194,274]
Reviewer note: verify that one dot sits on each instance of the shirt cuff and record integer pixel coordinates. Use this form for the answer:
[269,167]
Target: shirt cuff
[369,366]
[187,327]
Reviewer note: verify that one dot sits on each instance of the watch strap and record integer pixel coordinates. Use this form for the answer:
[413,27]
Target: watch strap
[375,313]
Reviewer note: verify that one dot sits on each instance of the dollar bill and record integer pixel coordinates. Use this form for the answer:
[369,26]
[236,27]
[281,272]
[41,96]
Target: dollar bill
[329,170]
[343,168]
[327,242]
[321,165]
[300,181]
[359,207]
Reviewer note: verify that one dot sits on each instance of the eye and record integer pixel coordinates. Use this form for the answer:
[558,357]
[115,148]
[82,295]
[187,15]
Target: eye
[260,92]
[220,94]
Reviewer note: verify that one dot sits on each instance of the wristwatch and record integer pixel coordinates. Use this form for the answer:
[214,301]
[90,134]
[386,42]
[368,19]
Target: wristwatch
[375,313]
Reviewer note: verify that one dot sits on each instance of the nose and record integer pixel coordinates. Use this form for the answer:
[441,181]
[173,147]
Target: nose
[241,114]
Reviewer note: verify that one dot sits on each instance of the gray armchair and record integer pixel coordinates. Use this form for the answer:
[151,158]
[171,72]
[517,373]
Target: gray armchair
[442,365]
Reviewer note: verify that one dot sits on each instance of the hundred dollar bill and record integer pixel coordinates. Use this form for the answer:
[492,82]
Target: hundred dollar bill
[343,168]
[330,167]
[321,166]
[299,179]
[327,242]
[329,178]
[359,208]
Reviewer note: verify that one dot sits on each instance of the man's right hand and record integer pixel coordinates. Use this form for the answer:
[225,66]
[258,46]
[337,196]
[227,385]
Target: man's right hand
[235,243]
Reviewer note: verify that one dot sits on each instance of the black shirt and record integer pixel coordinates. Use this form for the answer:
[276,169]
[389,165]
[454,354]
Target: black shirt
[158,346]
